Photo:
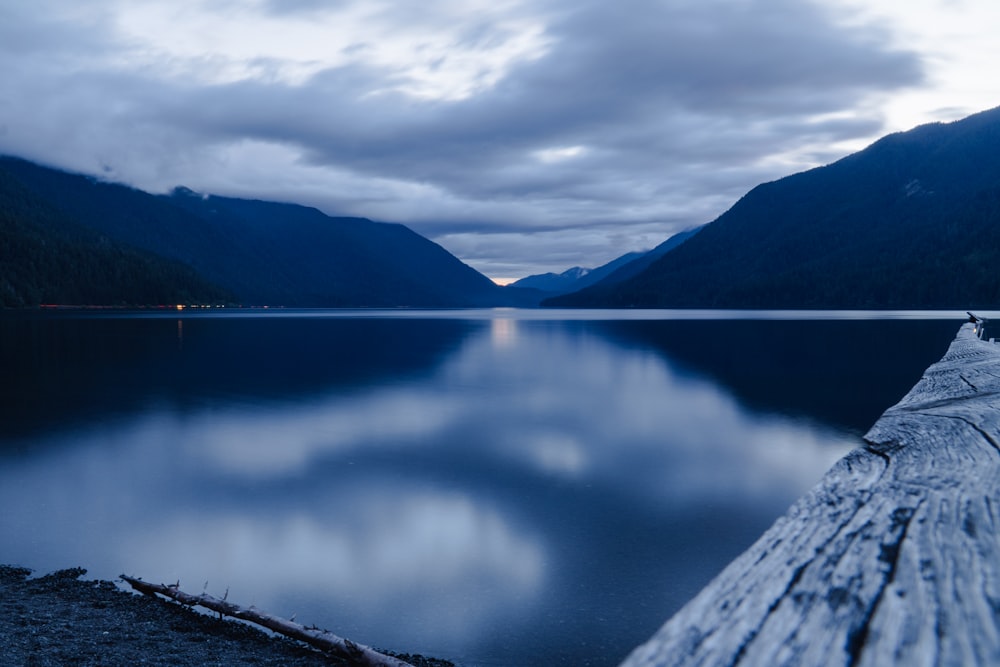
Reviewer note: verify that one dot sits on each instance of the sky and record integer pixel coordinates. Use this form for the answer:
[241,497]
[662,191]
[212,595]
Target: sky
[523,136]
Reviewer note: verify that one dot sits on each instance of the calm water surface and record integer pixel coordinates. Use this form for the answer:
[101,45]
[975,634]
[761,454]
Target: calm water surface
[493,487]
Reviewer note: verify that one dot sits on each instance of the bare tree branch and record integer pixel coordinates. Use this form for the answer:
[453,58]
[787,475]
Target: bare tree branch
[320,639]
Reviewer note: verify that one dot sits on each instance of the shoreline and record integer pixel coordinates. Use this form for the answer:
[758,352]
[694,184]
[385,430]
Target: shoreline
[61,618]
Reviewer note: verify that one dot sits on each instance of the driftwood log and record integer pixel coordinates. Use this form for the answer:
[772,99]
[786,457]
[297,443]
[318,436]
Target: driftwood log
[892,559]
[323,640]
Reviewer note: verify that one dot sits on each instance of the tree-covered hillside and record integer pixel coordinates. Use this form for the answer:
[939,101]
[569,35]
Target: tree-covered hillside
[267,253]
[46,258]
[913,221]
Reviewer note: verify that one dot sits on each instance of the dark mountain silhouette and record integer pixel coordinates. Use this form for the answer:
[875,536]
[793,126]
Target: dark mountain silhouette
[616,270]
[556,283]
[913,221]
[311,259]
[268,253]
[640,264]
[48,258]
[575,278]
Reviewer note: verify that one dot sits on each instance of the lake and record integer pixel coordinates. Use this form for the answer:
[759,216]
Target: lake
[495,487]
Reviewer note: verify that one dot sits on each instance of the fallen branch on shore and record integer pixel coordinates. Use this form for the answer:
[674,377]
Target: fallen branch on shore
[320,639]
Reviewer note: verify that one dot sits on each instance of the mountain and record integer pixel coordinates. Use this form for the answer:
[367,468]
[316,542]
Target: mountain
[616,270]
[912,221]
[311,259]
[575,278]
[267,253]
[47,258]
[639,264]
[560,283]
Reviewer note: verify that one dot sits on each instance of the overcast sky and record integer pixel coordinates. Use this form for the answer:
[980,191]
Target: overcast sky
[522,136]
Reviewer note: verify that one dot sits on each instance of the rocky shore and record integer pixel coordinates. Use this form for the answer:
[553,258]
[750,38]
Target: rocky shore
[61,619]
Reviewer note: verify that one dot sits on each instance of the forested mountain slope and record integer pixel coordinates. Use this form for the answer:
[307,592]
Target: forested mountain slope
[266,253]
[913,221]
[47,258]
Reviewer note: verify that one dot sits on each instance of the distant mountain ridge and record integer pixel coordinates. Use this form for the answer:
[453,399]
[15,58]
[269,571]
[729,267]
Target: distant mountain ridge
[912,221]
[639,264]
[575,278]
[616,270]
[266,253]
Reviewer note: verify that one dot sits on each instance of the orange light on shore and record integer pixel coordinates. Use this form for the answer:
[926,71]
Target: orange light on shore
[180,306]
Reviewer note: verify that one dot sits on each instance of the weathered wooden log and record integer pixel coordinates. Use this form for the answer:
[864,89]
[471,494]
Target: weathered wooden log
[892,559]
[323,640]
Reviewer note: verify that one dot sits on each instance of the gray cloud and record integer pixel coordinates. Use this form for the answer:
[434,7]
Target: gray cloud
[676,108]
[310,7]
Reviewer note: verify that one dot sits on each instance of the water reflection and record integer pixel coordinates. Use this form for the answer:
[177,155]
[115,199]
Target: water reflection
[842,373]
[520,492]
[267,442]
[503,332]
[61,372]
[444,568]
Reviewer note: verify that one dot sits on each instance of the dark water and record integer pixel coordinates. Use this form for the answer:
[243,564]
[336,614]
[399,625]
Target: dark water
[494,487]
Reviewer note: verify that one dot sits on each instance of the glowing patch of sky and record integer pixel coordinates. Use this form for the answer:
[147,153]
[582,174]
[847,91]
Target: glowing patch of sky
[959,49]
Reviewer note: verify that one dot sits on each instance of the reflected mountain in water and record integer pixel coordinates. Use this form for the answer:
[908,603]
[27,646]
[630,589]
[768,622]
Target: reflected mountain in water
[504,490]
[61,370]
[841,373]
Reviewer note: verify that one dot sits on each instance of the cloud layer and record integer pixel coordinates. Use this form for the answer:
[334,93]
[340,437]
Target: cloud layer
[522,136]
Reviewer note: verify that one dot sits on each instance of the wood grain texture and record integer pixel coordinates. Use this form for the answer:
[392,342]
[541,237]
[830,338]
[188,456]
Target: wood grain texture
[892,559]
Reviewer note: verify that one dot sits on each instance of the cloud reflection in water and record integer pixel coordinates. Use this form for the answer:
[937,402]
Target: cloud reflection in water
[562,403]
[448,567]
[530,480]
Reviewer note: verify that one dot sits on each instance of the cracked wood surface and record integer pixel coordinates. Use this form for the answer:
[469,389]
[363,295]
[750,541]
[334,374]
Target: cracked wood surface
[892,559]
